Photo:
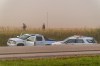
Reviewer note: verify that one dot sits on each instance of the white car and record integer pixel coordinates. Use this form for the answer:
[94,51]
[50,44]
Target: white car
[76,40]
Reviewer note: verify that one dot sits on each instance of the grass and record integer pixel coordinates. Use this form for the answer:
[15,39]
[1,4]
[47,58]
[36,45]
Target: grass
[72,61]
[57,34]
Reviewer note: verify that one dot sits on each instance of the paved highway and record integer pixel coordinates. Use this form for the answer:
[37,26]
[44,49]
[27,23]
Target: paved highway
[48,51]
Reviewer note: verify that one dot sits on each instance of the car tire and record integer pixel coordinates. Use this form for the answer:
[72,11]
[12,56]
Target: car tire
[20,44]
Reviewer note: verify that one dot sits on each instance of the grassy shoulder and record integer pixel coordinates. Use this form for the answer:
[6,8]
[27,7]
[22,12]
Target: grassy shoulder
[66,61]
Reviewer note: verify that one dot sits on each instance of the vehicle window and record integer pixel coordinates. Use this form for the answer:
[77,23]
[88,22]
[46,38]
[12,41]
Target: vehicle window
[91,41]
[31,39]
[38,38]
[71,41]
[79,41]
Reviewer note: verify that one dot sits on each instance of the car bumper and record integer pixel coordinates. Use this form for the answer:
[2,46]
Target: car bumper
[11,44]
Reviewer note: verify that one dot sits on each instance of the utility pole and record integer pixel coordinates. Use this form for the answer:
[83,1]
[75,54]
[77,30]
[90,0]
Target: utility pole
[47,20]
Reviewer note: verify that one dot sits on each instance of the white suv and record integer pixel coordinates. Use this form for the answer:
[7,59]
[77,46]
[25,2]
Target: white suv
[76,40]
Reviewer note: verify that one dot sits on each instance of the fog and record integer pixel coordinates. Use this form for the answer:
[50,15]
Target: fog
[58,13]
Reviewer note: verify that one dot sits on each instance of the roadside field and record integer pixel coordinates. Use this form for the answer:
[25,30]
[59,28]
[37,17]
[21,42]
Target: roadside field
[65,61]
[57,34]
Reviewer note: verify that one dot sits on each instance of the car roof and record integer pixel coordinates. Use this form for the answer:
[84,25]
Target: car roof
[79,37]
[33,34]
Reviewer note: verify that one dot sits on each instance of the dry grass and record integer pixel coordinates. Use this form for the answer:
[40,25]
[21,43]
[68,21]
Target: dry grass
[58,34]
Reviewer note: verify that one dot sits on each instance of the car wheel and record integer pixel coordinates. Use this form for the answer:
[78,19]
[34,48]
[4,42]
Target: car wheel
[20,44]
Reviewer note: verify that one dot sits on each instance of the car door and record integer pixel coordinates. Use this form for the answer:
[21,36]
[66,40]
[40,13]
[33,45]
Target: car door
[80,41]
[31,41]
[39,41]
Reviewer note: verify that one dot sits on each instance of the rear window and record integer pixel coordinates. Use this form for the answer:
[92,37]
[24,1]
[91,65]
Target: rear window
[46,38]
[91,41]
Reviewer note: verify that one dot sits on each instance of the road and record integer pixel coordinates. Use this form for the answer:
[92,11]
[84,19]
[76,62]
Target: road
[48,51]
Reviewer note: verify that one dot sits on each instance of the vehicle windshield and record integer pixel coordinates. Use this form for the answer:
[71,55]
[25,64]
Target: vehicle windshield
[24,37]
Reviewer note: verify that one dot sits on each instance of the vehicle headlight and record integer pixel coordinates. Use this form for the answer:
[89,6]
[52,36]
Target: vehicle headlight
[12,42]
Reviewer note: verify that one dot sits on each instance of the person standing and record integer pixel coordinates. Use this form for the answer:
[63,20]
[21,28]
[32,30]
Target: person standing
[24,26]
[43,26]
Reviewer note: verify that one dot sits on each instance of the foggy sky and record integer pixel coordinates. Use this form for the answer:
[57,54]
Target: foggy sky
[61,13]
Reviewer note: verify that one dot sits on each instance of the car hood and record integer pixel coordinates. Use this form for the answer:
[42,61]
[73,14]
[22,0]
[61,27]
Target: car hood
[57,43]
[15,39]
